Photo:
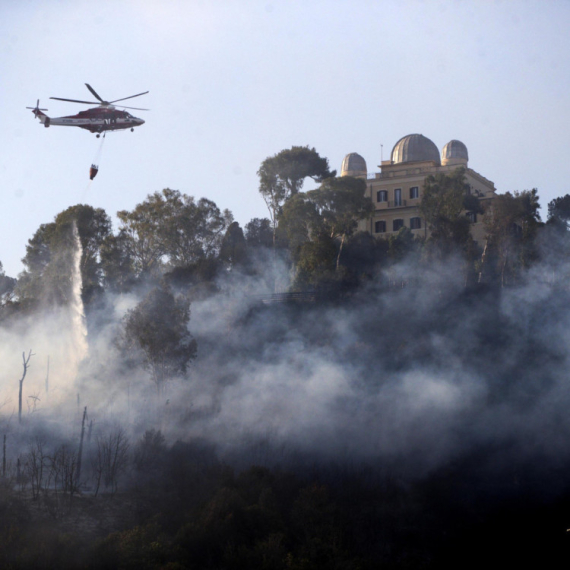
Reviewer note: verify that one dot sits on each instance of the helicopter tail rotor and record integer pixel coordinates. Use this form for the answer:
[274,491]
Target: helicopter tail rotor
[36,110]
[44,119]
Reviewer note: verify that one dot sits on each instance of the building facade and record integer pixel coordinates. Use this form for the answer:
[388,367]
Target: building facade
[396,190]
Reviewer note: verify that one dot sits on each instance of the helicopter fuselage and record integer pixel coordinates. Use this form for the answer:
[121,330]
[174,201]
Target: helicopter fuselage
[96,120]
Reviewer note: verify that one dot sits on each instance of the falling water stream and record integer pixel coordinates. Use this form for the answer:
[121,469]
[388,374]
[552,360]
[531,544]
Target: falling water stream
[78,324]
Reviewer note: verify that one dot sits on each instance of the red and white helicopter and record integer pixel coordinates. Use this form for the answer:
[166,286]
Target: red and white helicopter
[103,118]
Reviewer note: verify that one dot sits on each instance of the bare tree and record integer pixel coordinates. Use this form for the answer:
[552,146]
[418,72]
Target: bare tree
[63,473]
[111,459]
[35,462]
[64,468]
[33,402]
[26,363]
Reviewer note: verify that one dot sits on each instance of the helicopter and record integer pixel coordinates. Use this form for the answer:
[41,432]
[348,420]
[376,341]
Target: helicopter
[103,118]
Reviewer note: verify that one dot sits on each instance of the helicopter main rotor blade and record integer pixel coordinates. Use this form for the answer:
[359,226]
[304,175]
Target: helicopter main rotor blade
[125,98]
[94,93]
[136,108]
[37,107]
[76,101]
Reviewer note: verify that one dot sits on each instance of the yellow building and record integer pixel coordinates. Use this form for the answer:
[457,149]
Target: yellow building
[396,190]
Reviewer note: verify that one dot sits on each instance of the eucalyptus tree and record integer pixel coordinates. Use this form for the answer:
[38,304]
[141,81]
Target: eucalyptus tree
[318,223]
[282,176]
[172,229]
[193,229]
[341,203]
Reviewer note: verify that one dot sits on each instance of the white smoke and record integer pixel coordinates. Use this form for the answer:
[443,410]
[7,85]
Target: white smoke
[57,335]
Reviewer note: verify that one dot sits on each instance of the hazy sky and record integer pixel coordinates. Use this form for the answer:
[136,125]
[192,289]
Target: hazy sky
[232,82]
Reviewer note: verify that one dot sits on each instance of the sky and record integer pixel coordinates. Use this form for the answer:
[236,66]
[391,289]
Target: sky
[232,82]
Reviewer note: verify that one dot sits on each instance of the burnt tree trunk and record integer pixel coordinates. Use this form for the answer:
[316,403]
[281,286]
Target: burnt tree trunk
[81,445]
[26,362]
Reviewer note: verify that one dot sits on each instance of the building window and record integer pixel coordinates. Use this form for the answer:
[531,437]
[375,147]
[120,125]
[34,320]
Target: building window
[398,197]
[416,223]
[380,227]
[472,217]
[382,196]
[397,224]
[414,192]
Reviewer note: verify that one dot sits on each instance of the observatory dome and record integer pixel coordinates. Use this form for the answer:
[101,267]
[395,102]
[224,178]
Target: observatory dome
[353,165]
[414,148]
[454,152]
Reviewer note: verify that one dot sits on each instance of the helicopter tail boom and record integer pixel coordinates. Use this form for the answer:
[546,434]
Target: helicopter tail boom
[44,119]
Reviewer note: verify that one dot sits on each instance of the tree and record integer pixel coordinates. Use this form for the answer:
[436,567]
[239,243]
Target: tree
[111,459]
[553,242]
[282,176]
[117,263]
[142,234]
[194,229]
[93,226]
[174,228]
[49,255]
[341,203]
[364,254]
[155,333]
[402,245]
[559,211]
[317,224]
[7,284]
[300,223]
[512,224]
[316,263]
[233,248]
[26,365]
[258,233]
[35,465]
[445,198]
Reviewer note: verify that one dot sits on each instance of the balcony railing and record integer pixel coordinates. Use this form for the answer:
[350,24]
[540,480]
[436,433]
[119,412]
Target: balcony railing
[399,173]
[397,204]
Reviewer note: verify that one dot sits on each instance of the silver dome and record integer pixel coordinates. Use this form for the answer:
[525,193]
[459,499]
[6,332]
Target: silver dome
[353,165]
[454,149]
[414,148]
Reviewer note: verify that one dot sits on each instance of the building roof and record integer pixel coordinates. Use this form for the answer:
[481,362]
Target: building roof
[454,149]
[353,165]
[414,148]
